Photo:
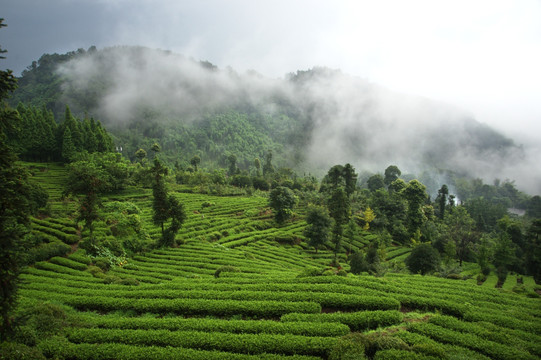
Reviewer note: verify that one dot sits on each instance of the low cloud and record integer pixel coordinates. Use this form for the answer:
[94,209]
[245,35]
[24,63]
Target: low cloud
[350,119]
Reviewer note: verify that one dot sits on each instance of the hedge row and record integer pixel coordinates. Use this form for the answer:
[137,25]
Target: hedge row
[395,354]
[328,300]
[68,263]
[503,320]
[74,279]
[263,309]
[530,342]
[66,238]
[60,269]
[424,344]
[209,325]
[357,321]
[238,343]
[490,348]
[68,228]
[47,251]
[58,348]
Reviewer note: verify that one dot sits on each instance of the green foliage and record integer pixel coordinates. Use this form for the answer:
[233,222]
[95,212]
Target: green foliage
[282,200]
[375,182]
[225,268]
[423,259]
[319,224]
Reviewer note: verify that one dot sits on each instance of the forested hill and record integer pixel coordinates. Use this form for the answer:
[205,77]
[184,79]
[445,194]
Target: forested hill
[309,120]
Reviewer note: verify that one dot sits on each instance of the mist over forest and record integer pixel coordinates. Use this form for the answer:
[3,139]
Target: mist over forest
[310,119]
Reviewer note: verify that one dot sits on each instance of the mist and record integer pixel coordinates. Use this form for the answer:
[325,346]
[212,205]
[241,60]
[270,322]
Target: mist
[351,119]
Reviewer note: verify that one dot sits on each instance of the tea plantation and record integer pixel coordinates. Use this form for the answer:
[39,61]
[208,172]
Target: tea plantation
[241,287]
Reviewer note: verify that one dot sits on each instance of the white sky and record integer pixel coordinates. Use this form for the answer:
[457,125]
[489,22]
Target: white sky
[483,56]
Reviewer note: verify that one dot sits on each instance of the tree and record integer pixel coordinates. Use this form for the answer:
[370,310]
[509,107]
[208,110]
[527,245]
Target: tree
[358,263]
[257,165]
[268,169]
[369,216]
[282,201]
[504,256]
[195,161]
[534,207]
[375,182]
[319,224]
[415,194]
[423,259]
[441,200]
[141,154]
[391,174]
[156,148]
[533,256]
[68,148]
[350,178]
[176,212]
[335,176]
[88,178]
[460,230]
[232,159]
[160,204]
[339,209]
[165,206]
[14,208]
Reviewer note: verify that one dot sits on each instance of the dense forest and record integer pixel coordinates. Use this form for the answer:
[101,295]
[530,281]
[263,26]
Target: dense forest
[209,214]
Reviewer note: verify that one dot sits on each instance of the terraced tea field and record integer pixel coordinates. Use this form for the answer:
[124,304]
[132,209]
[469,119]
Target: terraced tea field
[241,288]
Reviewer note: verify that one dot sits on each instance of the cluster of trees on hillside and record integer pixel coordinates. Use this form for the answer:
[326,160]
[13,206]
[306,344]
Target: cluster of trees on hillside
[19,198]
[443,233]
[40,137]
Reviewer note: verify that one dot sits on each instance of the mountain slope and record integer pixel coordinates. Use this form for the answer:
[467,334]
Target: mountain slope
[311,119]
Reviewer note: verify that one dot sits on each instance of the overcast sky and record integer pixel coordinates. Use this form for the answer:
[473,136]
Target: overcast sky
[482,56]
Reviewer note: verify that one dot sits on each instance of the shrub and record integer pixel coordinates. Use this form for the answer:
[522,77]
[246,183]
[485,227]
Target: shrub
[311,271]
[102,263]
[47,251]
[15,351]
[348,347]
[423,259]
[358,263]
[225,268]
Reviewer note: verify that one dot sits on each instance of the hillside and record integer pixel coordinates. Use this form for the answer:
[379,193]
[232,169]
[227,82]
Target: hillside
[239,286]
[310,120]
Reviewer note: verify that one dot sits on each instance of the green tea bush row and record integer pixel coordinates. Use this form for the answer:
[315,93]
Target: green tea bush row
[68,263]
[263,309]
[80,258]
[329,300]
[66,238]
[219,325]
[494,333]
[427,303]
[79,280]
[59,348]
[239,343]
[490,348]
[68,229]
[504,321]
[357,321]
[396,354]
[47,251]
[426,345]
[60,269]
[142,274]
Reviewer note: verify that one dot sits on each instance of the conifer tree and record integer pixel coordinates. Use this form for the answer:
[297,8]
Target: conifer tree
[68,148]
[14,209]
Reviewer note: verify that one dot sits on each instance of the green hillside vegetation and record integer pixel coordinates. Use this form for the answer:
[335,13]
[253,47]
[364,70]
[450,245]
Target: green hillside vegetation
[165,239]
[237,284]
[193,108]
